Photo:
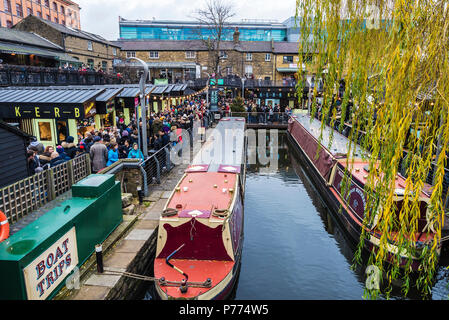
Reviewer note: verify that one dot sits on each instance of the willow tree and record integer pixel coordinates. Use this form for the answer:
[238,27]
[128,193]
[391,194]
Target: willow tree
[393,57]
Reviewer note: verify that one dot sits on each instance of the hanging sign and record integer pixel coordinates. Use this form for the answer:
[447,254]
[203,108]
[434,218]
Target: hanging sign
[51,267]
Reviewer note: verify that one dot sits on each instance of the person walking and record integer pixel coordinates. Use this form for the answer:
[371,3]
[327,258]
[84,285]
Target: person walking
[98,154]
[112,154]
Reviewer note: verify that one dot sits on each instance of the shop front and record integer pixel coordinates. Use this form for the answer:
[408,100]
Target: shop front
[51,115]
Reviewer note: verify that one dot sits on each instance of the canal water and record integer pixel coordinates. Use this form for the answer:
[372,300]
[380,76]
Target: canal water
[293,248]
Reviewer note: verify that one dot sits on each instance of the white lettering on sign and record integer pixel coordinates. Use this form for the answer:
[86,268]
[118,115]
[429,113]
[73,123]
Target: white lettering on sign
[47,271]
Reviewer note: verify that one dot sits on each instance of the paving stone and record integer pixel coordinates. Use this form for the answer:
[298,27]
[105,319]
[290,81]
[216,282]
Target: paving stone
[166,194]
[119,259]
[91,293]
[129,246]
[139,234]
[102,280]
[146,224]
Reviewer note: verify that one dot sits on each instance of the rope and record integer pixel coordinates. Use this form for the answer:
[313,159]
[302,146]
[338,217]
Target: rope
[162,281]
[169,212]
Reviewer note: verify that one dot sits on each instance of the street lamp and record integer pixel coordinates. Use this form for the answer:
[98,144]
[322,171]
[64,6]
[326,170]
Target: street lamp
[243,88]
[142,83]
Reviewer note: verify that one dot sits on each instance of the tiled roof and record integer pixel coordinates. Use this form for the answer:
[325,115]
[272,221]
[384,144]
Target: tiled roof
[73,32]
[28,38]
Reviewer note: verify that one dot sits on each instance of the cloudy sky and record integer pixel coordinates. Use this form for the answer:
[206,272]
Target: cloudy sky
[101,16]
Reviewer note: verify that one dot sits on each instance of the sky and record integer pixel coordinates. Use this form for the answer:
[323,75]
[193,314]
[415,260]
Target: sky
[101,16]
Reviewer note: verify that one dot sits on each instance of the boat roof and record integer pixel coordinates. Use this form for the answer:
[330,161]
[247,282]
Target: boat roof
[340,143]
[359,172]
[199,193]
[224,146]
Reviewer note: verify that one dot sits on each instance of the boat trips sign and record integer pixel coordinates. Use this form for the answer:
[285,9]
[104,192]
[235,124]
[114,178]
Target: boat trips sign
[48,270]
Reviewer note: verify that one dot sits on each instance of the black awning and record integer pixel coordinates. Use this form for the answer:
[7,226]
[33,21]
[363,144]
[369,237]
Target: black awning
[46,103]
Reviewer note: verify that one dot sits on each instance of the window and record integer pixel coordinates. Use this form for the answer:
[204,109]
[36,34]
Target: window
[8,24]
[89,46]
[7,4]
[90,63]
[288,59]
[63,22]
[19,10]
[268,57]
[56,20]
[39,14]
[154,54]
[29,11]
[55,6]
[47,4]
[190,54]
[114,51]
[48,17]
[131,54]
[248,71]
[62,10]
[249,56]
[104,65]
[228,71]
[223,55]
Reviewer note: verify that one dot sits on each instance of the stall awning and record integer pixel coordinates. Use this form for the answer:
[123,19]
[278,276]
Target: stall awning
[108,94]
[46,103]
[287,70]
[28,50]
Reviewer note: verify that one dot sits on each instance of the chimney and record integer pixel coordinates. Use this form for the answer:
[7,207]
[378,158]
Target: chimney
[236,36]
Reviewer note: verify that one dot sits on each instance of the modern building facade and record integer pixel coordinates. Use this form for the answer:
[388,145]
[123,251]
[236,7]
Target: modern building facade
[250,30]
[64,12]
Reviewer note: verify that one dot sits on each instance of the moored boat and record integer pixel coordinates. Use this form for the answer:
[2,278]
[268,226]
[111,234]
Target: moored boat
[327,171]
[200,234]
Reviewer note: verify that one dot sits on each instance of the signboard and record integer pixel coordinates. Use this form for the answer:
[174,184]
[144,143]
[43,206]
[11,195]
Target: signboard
[212,82]
[213,99]
[160,81]
[49,269]
[220,82]
[217,116]
[44,112]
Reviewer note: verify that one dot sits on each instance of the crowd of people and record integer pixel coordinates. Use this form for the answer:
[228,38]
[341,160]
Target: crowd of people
[107,145]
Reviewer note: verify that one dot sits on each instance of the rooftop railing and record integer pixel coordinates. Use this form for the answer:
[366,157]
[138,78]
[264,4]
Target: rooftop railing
[13,75]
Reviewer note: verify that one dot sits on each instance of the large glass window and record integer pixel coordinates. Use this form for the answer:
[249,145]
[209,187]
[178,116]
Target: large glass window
[191,33]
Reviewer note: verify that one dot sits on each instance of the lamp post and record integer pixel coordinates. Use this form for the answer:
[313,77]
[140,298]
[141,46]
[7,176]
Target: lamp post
[243,88]
[142,83]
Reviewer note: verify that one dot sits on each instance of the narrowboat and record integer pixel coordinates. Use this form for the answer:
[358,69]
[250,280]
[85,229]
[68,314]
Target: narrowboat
[326,165]
[200,233]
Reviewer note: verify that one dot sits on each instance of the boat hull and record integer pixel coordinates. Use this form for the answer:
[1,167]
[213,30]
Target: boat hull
[344,216]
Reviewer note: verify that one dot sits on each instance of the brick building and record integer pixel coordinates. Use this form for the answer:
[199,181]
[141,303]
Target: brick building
[89,49]
[64,12]
[181,60]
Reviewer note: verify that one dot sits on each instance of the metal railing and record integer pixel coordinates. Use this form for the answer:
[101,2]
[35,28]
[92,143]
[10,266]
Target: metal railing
[11,75]
[24,196]
[261,117]
[236,82]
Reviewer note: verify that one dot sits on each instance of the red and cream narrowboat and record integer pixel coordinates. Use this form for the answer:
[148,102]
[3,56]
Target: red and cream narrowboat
[200,234]
[327,172]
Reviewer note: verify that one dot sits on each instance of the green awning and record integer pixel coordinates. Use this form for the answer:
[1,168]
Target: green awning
[28,50]
[286,70]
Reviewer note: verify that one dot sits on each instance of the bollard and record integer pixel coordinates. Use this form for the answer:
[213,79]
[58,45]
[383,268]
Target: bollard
[140,194]
[184,286]
[99,255]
